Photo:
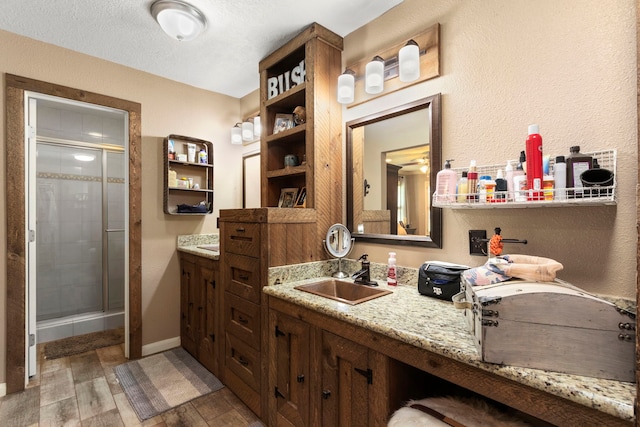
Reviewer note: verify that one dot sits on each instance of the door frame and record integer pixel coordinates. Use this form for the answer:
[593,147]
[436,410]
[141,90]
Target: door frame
[15,88]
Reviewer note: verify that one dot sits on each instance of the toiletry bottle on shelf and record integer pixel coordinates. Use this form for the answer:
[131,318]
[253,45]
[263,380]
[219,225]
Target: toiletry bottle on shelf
[463,188]
[560,178]
[172,179]
[472,182]
[519,180]
[534,164]
[486,187]
[523,162]
[502,188]
[548,184]
[509,178]
[576,164]
[391,270]
[202,156]
[446,184]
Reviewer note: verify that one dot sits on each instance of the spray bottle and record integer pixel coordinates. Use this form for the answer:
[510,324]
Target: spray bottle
[534,164]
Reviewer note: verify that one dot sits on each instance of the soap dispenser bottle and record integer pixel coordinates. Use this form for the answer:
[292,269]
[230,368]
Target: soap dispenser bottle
[446,184]
[391,270]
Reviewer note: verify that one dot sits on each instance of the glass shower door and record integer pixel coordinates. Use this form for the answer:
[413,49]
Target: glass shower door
[69,228]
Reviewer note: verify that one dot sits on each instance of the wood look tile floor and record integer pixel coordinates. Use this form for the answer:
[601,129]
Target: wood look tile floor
[82,390]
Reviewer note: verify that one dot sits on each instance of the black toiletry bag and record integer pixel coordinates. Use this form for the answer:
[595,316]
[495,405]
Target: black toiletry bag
[198,208]
[439,279]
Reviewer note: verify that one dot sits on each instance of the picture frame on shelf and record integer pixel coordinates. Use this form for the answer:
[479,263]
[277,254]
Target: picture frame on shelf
[288,197]
[301,201]
[283,122]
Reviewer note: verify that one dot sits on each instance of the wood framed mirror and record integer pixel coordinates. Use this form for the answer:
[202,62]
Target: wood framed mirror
[392,160]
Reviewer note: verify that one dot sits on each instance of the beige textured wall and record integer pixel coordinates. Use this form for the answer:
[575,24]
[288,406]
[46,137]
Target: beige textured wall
[568,66]
[167,107]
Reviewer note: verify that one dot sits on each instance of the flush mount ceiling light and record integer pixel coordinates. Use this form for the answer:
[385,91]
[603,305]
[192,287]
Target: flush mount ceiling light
[178,19]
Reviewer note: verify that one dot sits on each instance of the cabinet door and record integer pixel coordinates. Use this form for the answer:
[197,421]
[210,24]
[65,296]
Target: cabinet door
[346,378]
[208,330]
[188,307]
[290,354]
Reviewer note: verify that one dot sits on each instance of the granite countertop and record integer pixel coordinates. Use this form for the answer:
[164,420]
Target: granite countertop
[437,326]
[204,245]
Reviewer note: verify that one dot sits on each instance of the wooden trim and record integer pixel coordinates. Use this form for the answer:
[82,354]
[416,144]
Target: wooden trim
[15,87]
[16,251]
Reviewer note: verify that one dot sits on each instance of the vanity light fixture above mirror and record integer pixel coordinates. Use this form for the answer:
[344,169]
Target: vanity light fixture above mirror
[412,61]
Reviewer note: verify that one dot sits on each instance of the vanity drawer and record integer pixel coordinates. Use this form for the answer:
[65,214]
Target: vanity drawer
[243,361]
[243,276]
[242,319]
[242,238]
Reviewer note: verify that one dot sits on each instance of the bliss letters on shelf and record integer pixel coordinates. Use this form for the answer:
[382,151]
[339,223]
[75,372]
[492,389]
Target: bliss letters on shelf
[285,81]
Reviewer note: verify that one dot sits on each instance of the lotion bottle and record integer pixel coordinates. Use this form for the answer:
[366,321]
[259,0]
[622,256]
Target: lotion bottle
[446,184]
[391,270]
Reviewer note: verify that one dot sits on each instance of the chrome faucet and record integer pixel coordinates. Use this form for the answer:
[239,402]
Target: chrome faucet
[363,276]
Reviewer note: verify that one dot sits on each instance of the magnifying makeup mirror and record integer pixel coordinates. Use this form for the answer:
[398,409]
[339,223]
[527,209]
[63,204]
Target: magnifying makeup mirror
[338,244]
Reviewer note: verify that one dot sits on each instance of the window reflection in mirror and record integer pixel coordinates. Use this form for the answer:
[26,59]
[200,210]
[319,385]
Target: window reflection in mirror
[390,175]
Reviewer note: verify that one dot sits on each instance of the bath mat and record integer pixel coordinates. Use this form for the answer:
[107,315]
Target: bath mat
[81,343]
[163,381]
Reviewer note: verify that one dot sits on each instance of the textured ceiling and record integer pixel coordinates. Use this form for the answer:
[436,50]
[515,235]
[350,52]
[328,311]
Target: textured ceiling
[223,59]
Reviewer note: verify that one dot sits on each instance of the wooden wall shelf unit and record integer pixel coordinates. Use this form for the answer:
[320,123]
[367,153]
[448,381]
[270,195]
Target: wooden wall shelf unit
[315,54]
[198,174]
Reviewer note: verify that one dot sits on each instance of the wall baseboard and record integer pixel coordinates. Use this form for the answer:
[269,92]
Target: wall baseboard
[3,389]
[160,346]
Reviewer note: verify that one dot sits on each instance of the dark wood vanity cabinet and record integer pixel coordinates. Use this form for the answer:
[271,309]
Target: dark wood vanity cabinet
[199,309]
[289,370]
[317,377]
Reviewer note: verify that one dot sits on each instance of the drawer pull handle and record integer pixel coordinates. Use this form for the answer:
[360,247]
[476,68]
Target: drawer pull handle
[326,394]
[300,378]
[243,361]
[240,230]
[242,320]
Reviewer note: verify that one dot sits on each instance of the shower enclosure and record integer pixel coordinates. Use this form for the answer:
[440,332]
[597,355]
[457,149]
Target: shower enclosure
[79,190]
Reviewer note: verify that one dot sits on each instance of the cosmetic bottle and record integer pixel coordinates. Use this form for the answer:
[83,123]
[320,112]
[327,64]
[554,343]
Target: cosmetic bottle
[391,270]
[534,164]
[509,178]
[472,182]
[446,184]
[560,178]
[463,188]
[501,192]
[576,164]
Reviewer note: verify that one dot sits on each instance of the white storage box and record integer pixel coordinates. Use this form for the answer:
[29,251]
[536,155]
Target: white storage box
[550,325]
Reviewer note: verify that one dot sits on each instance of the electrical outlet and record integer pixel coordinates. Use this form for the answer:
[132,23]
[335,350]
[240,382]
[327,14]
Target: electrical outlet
[478,242]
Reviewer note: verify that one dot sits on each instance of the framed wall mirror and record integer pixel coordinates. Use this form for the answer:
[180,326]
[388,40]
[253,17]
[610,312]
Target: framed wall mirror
[392,161]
